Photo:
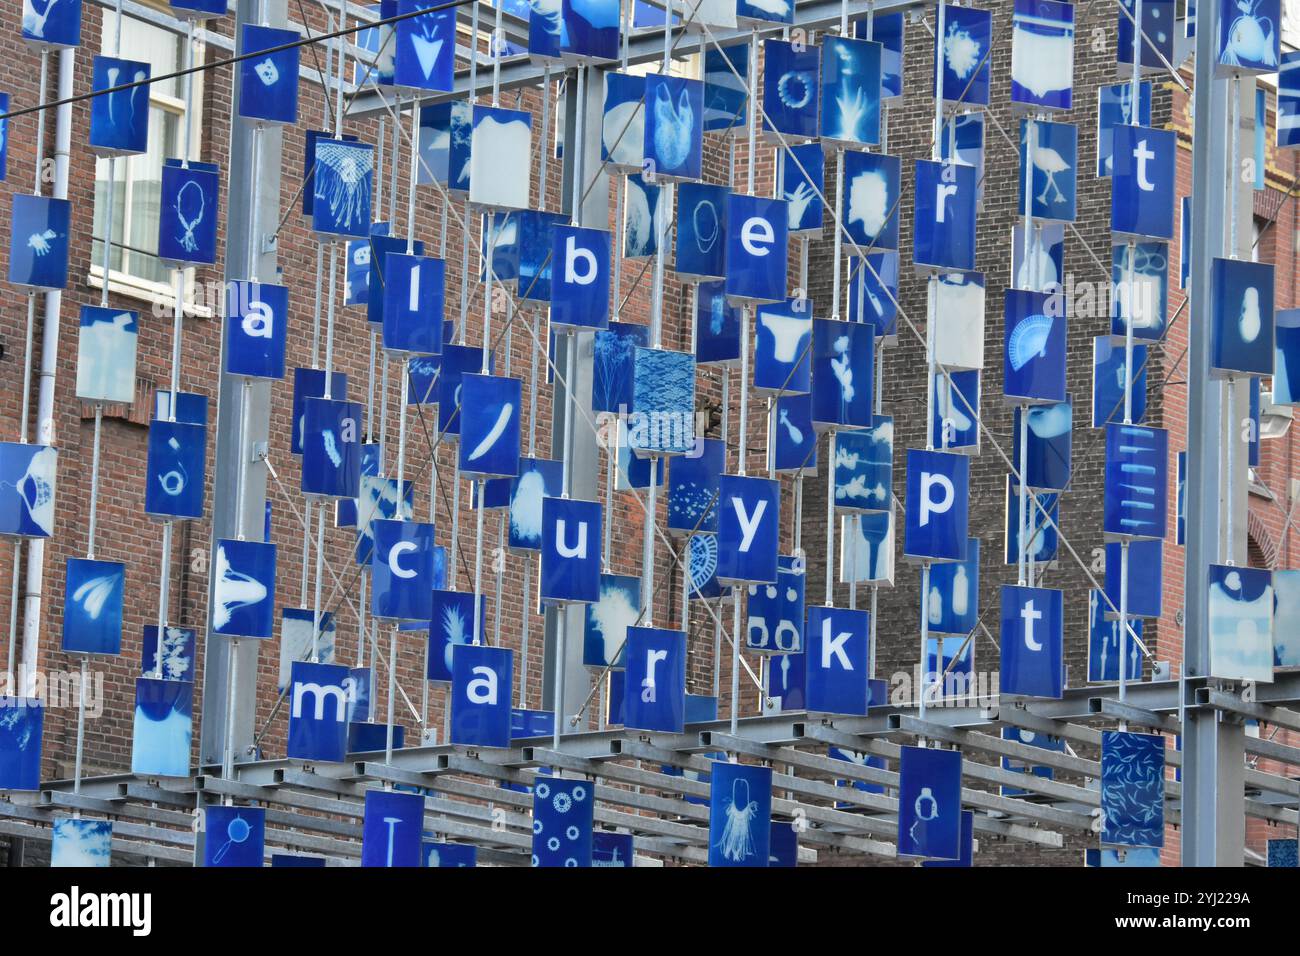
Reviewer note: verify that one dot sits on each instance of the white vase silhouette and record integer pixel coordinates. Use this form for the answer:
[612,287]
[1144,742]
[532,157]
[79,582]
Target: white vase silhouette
[1248,323]
[960,591]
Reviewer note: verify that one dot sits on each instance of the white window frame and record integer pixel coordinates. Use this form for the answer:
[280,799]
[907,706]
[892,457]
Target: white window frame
[126,283]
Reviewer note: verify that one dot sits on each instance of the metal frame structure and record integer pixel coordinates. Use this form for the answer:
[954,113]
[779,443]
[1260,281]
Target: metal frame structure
[318,808]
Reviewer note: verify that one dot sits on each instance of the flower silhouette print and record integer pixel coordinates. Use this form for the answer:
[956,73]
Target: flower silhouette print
[674,126]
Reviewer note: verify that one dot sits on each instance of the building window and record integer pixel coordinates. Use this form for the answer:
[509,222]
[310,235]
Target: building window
[133,264]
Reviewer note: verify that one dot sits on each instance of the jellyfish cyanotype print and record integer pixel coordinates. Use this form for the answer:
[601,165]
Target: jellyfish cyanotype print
[740,810]
[673,135]
[1132,789]
[342,182]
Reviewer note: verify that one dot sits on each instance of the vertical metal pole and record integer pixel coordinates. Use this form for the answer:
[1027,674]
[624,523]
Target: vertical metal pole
[1213,750]
[830,517]
[245,172]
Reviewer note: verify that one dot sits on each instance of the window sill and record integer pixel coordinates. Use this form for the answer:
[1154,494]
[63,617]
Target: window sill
[155,293]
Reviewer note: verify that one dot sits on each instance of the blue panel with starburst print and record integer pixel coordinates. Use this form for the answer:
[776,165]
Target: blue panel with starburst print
[563,811]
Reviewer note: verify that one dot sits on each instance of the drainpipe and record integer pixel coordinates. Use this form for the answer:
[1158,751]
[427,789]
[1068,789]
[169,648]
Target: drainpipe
[49,365]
